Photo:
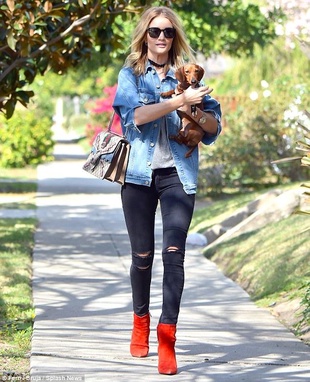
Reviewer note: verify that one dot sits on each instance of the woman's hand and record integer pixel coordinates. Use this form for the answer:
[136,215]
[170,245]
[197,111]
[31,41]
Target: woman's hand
[193,96]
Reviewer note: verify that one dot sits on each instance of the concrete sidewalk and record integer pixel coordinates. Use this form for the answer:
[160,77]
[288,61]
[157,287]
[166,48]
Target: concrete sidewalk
[82,297]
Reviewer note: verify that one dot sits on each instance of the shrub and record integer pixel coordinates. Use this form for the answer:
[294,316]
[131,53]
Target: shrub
[258,132]
[25,139]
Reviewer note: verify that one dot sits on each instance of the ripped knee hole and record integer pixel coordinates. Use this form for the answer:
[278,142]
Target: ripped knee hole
[143,261]
[172,249]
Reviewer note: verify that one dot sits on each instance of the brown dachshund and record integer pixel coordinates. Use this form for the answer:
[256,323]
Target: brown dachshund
[190,133]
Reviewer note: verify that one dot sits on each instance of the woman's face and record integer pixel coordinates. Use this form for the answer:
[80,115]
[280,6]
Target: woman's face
[158,47]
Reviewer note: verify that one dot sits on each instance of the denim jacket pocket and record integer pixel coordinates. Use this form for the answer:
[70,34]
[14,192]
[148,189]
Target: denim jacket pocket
[145,97]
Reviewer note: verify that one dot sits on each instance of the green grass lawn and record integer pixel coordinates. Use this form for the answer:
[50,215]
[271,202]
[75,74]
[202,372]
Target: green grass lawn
[219,209]
[18,188]
[271,264]
[270,260]
[18,191]
[28,174]
[16,308]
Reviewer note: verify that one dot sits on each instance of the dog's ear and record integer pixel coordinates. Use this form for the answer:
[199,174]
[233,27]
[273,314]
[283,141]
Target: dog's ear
[179,74]
[200,73]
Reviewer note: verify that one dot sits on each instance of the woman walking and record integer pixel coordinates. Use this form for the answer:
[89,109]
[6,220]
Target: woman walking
[158,170]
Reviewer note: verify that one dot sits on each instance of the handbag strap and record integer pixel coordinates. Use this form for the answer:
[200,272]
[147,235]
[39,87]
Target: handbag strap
[111,122]
[110,127]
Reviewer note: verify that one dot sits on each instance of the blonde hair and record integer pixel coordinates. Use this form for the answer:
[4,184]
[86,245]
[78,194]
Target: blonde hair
[180,49]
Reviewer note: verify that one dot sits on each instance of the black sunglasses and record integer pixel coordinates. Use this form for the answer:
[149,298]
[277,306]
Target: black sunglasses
[155,32]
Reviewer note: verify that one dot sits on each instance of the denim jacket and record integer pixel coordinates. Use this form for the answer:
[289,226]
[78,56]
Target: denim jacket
[133,92]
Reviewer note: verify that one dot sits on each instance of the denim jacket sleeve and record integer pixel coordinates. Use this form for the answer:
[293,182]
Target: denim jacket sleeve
[127,99]
[212,106]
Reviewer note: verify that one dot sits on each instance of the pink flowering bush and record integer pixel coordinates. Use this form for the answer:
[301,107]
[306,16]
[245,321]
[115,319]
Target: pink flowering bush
[101,112]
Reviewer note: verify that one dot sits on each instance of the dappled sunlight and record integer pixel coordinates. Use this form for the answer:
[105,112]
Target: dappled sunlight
[82,296]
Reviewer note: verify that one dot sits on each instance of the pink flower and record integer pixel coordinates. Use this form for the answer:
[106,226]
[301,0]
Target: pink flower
[103,105]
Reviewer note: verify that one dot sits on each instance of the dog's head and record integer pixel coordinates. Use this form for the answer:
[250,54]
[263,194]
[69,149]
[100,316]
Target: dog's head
[189,75]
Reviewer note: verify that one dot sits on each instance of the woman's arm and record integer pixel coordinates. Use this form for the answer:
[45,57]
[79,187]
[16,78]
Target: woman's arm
[204,119]
[148,113]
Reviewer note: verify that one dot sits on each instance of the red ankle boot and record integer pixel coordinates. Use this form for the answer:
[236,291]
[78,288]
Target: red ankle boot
[139,346]
[167,363]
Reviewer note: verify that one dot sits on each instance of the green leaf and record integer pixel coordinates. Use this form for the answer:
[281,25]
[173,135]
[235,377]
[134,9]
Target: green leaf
[10,107]
[11,40]
[24,96]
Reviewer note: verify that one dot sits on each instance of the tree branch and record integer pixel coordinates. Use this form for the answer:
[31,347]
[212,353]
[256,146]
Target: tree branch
[75,24]
[34,54]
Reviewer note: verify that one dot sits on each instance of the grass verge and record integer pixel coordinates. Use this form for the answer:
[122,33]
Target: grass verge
[18,191]
[271,264]
[27,174]
[16,308]
[18,188]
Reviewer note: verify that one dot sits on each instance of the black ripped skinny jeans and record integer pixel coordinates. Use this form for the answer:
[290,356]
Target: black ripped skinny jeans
[139,205]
